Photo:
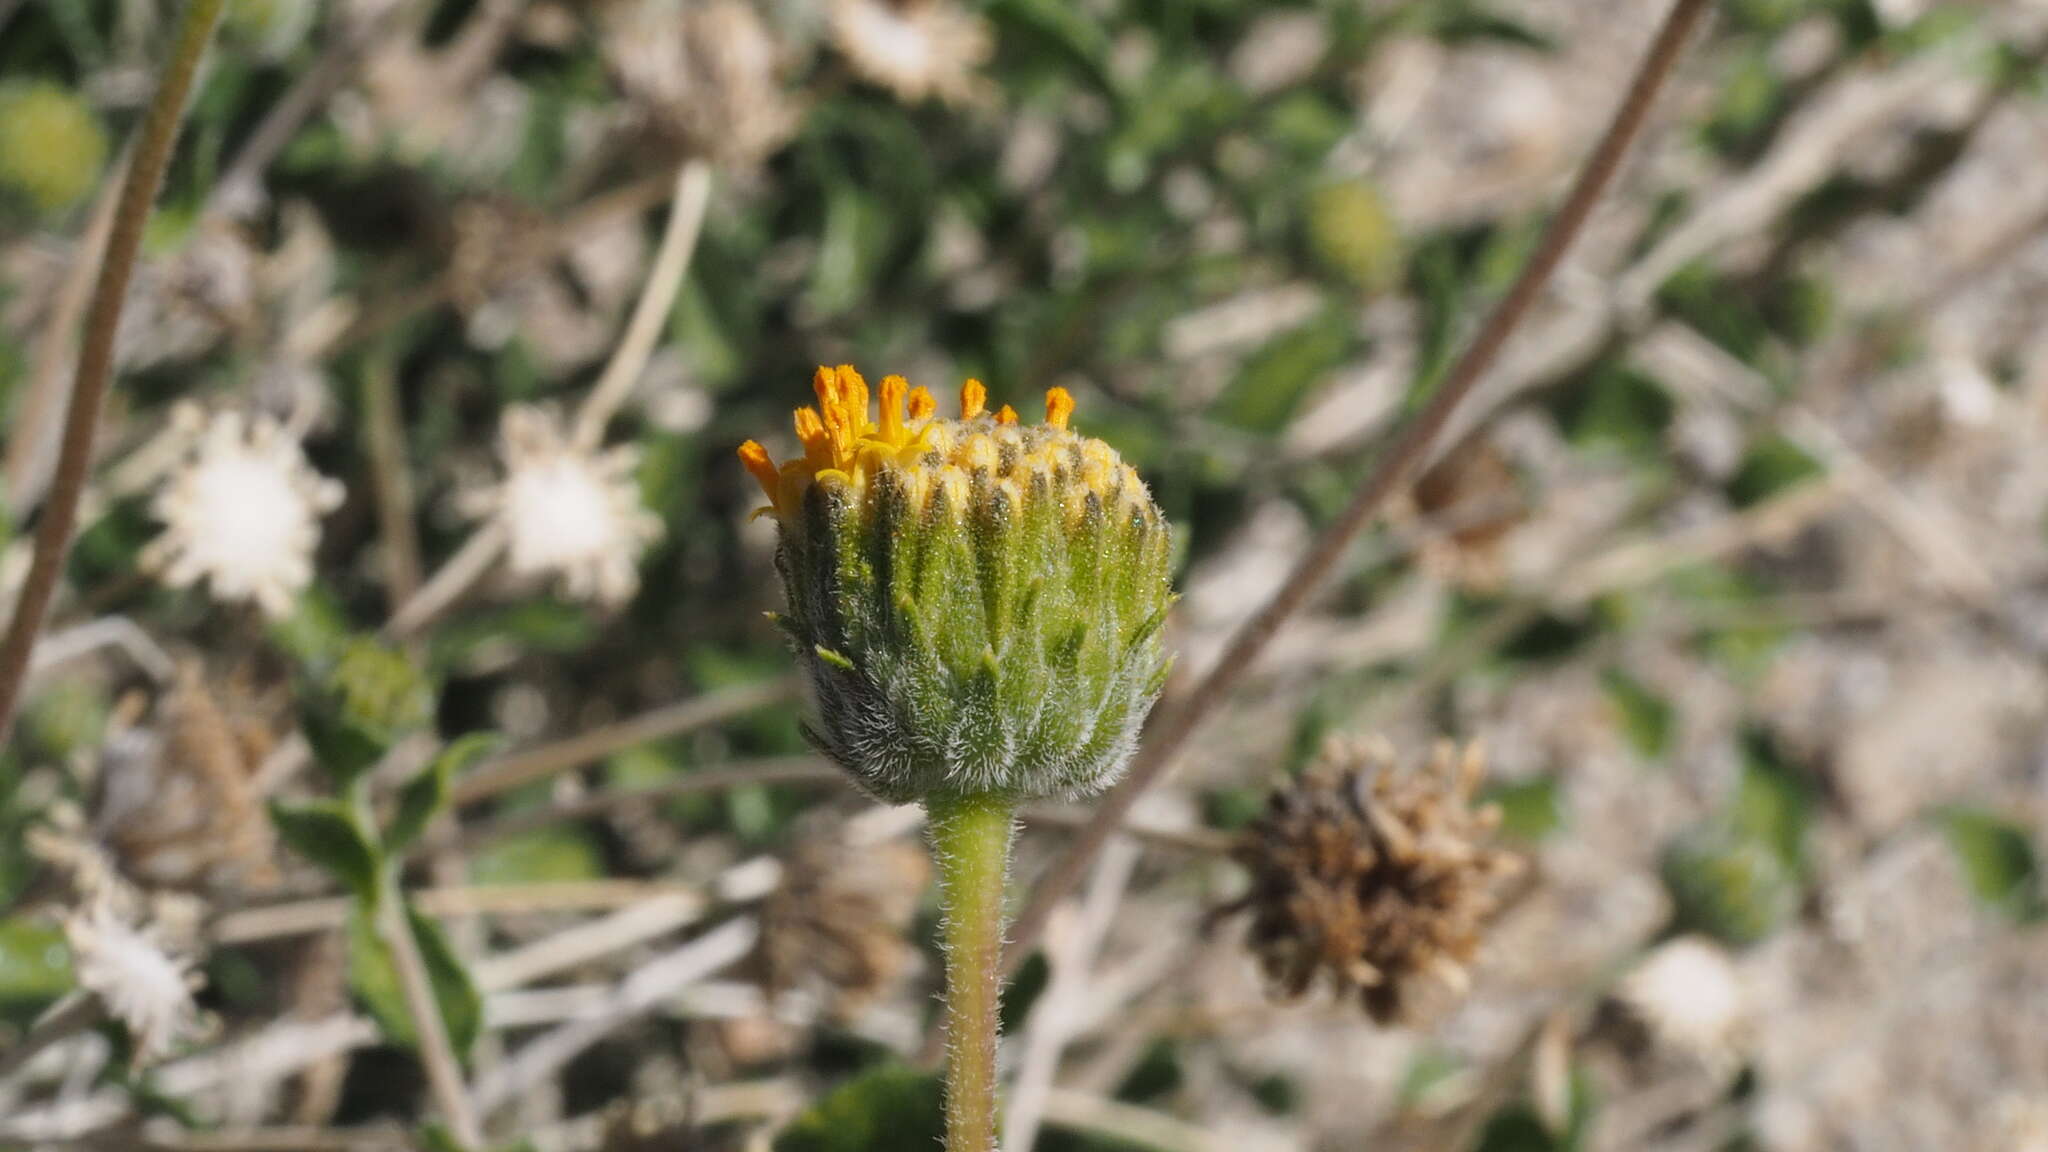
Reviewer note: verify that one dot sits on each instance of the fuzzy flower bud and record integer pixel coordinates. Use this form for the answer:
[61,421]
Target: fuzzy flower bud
[976,603]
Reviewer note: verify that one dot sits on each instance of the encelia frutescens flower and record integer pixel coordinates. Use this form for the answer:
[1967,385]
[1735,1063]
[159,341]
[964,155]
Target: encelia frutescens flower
[976,602]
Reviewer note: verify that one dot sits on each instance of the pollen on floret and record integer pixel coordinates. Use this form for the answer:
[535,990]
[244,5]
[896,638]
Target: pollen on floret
[922,405]
[973,399]
[1059,407]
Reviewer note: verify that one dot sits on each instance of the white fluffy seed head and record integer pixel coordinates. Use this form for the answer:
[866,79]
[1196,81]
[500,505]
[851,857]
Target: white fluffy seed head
[241,513]
[915,48]
[1690,996]
[569,514]
[137,980]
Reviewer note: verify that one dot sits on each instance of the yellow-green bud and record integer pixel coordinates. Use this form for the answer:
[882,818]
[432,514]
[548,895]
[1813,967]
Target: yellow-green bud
[357,707]
[51,145]
[976,603]
[1351,231]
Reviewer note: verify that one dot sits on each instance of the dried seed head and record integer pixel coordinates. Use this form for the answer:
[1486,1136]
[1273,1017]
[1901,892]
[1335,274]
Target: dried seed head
[175,810]
[837,926]
[1465,507]
[708,73]
[189,818]
[493,241]
[658,1123]
[1379,879]
[977,602]
[917,49]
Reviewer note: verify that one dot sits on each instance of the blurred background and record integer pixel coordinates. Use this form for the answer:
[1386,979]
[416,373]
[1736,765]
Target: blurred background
[453,312]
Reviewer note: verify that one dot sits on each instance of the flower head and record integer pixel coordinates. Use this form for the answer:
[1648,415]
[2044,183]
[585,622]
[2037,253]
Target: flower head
[243,514]
[977,602]
[135,977]
[915,48]
[570,514]
[1376,878]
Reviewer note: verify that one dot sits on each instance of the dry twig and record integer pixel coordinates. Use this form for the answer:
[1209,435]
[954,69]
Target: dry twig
[1178,719]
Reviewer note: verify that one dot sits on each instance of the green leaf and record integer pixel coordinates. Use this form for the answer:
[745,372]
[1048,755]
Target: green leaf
[856,233]
[345,750]
[1055,29]
[1998,859]
[35,965]
[1772,465]
[426,794]
[1469,22]
[1646,717]
[1774,802]
[1528,808]
[544,856]
[1616,409]
[1281,374]
[326,833]
[886,1110]
[373,974]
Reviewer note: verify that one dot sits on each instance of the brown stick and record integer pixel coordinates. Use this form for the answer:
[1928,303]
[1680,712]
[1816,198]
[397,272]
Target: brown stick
[1177,720]
[41,407]
[520,768]
[96,359]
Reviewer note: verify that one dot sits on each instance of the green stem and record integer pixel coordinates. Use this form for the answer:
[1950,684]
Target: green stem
[971,845]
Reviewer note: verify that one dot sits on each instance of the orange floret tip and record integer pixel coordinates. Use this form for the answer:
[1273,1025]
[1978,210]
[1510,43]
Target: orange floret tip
[1059,406]
[854,389]
[922,406]
[893,390]
[973,399]
[1006,415]
[762,466]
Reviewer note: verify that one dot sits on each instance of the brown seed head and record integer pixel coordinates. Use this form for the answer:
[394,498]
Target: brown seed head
[494,240]
[837,925]
[1377,878]
[181,812]
[708,74]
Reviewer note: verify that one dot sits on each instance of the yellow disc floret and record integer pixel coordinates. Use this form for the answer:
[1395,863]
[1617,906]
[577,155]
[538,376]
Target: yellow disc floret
[847,442]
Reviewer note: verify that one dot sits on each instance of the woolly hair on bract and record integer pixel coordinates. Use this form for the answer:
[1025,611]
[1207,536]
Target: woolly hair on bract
[976,603]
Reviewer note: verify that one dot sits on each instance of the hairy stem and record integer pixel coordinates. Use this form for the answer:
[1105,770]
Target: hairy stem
[971,845]
[96,358]
[1178,718]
